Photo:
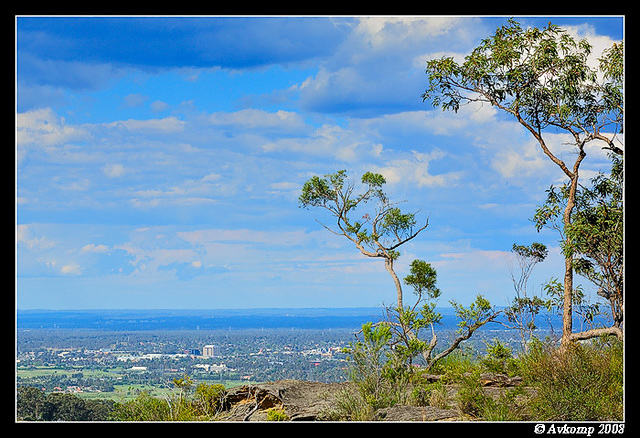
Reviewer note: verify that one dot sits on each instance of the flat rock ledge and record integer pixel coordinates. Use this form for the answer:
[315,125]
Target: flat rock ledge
[310,401]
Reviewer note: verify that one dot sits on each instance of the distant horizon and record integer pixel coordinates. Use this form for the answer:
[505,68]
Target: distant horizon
[232,319]
[212,308]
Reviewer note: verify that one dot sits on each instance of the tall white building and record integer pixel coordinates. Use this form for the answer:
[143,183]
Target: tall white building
[210,351]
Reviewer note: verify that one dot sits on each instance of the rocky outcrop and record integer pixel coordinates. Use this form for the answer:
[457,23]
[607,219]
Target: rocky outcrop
[310,401]
[300,400]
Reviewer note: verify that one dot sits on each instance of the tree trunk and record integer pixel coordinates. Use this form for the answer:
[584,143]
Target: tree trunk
[388,263]
[567,309]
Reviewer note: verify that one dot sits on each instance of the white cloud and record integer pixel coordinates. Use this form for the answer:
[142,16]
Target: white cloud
[158,106]
[93,248]
[135,100]
[44,128]
[24,235]
[71,269]
[259,119]
[166,125]
[415,170]
[113,170]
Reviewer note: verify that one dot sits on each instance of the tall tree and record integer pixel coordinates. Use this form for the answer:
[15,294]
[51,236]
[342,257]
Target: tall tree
[595,238]
[542,78]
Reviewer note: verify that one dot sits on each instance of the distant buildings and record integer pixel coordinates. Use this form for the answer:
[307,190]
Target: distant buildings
[210,351]
[211,368]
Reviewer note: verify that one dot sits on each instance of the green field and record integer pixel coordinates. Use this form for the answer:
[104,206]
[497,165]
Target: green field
[122,391]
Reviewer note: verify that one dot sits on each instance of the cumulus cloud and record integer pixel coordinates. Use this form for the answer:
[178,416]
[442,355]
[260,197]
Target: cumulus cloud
[44,127]
[72,269]
[374,70]
[415,171]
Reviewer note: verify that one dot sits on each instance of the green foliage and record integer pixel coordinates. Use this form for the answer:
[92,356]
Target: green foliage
[540,75]
[499,358]
[348,406]
[452,367]
[510,405]
[277,414]
[203,404]
[543,79]
[30,403]
[474,316]
[378,231]
[594,238]
[536,252]
[143,408]
[371,365]
[208,399]
[581,383]
[422,278]
[471,398]
[33,405]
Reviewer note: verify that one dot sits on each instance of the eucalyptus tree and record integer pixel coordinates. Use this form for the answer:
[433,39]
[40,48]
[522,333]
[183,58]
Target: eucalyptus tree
[595,238]
[378,228]
[543,79]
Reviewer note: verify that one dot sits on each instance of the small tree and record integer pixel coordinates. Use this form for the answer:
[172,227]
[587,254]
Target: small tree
[379,234]
[541,77]
[523,309]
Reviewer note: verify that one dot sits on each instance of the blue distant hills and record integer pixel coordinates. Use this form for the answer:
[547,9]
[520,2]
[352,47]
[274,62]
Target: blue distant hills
[214,319]
[227,319]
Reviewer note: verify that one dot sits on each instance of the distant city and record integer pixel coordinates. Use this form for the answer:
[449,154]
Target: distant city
[118,353]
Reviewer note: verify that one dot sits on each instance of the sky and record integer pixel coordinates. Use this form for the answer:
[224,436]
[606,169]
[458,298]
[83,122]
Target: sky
[159,160]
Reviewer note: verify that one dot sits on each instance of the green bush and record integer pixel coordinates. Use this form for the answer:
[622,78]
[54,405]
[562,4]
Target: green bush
[471,398]
[33,405]
[143,408]
[506,407]
[499,359]
[582,383]
[202,404]
[455,365]
[277,414]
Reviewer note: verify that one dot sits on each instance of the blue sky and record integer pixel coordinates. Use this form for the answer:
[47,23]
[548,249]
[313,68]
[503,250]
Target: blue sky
[159,160]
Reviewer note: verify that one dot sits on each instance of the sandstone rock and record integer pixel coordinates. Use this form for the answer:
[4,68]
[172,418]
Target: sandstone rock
[496,379]
[415,413]
[301,400]
[312,401]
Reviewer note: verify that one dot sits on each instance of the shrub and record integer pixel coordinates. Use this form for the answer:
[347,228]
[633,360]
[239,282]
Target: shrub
[498,359]
[349,406]
[582,383]
[143,408]
[277,414]
[455,365]
[506,407]
[471,398]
